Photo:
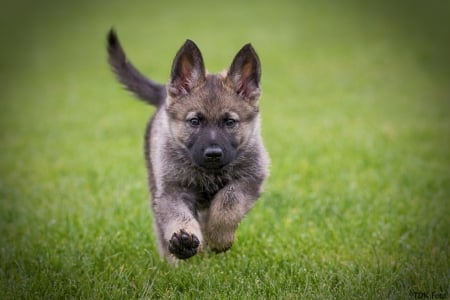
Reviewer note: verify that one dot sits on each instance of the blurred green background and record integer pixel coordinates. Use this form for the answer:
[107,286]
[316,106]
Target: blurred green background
[356,98]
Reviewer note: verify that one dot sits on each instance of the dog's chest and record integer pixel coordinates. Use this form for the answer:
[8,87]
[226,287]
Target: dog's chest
[206,186]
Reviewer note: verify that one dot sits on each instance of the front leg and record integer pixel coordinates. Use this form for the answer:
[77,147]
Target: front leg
[227,209]
[177,225]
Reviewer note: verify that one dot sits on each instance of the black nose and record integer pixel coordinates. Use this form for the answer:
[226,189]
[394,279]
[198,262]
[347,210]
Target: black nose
[213,153]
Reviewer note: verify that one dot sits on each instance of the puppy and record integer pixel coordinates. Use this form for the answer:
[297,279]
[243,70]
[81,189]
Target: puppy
[205,157]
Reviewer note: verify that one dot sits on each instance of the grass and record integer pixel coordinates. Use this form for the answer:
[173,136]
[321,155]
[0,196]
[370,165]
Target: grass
[355,117]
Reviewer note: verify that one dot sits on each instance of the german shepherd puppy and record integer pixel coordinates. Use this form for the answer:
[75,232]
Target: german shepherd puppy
[205,157]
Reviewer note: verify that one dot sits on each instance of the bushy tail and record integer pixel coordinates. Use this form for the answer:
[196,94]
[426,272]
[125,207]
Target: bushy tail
[144,88]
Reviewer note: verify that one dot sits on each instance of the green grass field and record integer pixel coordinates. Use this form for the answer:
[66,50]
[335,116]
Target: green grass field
[355,111]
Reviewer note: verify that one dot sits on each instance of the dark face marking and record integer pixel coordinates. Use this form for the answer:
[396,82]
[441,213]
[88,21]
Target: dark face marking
[211,146]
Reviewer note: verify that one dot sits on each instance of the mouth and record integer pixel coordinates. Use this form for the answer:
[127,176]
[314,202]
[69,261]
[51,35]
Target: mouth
[213,165]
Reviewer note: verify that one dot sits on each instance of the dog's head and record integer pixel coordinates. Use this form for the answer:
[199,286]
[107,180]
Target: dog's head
[213,116]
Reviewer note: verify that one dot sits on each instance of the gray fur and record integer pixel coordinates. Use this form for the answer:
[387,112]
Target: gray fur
[198,200]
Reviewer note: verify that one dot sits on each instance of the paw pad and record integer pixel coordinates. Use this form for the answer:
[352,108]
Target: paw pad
[183,245]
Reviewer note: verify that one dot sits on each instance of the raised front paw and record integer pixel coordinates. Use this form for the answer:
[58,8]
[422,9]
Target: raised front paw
[220,241]
[183,245]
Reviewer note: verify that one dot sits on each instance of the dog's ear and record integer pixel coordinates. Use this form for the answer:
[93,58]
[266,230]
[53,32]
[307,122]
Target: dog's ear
[244,74]
[188,70]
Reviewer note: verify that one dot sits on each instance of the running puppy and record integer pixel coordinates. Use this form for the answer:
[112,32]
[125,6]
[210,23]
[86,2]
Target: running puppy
[205,157]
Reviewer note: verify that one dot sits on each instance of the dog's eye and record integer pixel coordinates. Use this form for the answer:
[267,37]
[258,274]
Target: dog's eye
[230,123]
[194,122]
